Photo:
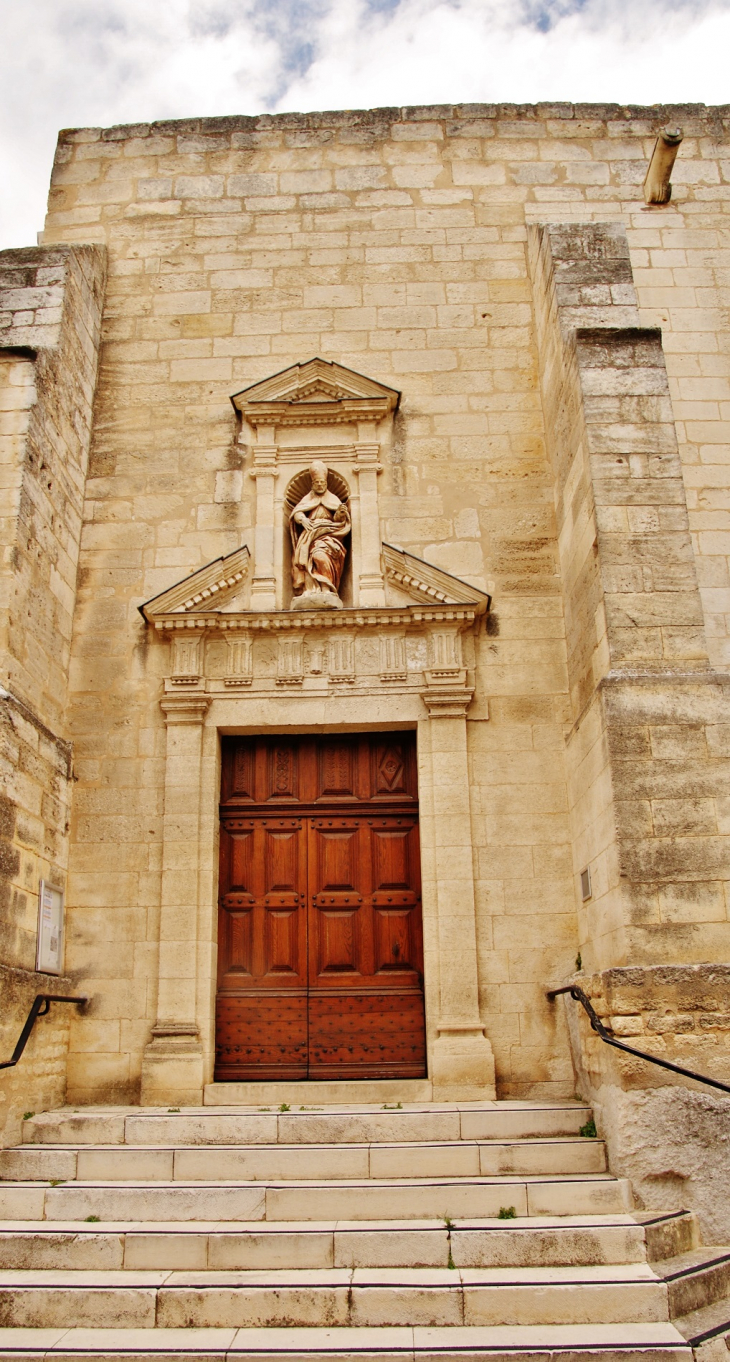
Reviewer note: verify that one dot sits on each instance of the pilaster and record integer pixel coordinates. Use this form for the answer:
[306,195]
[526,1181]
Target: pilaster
[367,467]
[263,584]
[172,1069]
[462,1061]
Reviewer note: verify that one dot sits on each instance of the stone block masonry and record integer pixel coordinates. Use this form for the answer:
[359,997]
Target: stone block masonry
[395,242]
[50,312]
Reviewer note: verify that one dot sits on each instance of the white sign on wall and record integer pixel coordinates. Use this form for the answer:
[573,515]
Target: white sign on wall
[49,951]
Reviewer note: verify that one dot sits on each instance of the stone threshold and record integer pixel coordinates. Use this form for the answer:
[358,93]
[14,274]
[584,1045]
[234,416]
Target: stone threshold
[320,1093]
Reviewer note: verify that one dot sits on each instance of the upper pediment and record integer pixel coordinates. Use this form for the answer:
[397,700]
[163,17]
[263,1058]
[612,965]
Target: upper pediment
[316,393]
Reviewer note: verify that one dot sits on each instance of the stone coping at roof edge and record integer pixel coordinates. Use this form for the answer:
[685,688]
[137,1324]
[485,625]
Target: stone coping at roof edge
[717,115]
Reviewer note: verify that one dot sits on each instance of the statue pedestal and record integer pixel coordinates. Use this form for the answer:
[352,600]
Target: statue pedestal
[316,600]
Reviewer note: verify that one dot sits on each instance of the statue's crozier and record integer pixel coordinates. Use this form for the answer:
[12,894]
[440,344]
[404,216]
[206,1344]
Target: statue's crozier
[319,525]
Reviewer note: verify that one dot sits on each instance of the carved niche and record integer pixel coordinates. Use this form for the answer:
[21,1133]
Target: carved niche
[317,515]
[316,413]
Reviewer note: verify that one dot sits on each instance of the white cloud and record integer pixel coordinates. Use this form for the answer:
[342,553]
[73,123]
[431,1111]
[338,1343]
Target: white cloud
[71,63]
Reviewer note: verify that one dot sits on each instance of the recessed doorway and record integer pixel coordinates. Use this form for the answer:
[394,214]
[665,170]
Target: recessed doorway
[320,948]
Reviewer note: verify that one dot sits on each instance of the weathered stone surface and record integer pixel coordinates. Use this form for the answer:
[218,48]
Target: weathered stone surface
[50,310]
[393,242]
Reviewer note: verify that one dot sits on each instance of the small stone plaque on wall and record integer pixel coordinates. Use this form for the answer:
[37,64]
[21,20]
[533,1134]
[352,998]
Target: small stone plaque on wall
[49,949]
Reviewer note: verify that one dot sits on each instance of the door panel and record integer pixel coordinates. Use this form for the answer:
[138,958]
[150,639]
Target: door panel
[320,943]
[261,1035]
[261,1010]
[366,1035]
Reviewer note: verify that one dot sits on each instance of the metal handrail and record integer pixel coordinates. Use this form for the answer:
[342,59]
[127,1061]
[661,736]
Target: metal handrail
[40,1007]
[608,1036]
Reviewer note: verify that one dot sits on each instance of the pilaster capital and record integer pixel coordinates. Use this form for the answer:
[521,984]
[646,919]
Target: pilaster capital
[184,709]
[447,696]
[367,459]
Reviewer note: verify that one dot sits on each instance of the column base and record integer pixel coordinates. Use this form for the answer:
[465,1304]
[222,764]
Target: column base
[462,1066]
[172,1067]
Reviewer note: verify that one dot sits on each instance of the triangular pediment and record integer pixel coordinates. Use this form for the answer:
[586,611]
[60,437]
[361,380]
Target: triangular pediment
[421,581]
[210,588]
[315,392]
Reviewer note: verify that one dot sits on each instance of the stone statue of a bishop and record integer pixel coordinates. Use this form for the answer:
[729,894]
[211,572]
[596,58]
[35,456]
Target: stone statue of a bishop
[319,524]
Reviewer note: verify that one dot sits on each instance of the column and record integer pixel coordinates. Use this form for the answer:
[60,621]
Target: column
[367,467]
[462,1062]
[172,1069]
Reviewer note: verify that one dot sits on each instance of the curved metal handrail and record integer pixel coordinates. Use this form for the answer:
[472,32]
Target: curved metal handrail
[40,1006]
[608,1036]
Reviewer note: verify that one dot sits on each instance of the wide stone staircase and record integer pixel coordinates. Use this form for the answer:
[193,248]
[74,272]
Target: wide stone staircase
[423,1232]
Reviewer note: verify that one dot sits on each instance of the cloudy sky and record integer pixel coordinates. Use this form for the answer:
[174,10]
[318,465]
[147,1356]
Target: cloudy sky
[70,63]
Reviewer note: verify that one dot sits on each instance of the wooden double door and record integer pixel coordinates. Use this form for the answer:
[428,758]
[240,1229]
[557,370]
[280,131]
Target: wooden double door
[320,951]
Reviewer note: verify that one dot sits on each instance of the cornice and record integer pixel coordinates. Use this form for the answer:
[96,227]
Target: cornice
[341,411]
[276,621]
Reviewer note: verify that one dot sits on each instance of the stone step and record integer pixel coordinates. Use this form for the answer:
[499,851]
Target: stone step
[334,1297]
[354,1124]
[633,1342]
[531,1242]
[707,1331]
[257,1162]
[697,1278]
[359,1091]
[374,1199]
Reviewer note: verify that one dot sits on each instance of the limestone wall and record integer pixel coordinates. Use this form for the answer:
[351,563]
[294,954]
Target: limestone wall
[664,1132]
[393,241]
[50,309]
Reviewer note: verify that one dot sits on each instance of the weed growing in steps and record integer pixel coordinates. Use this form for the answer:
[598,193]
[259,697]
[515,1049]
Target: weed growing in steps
[507,1213]
[27,1115]
[588,1131]
[92,1220]
[448,1222]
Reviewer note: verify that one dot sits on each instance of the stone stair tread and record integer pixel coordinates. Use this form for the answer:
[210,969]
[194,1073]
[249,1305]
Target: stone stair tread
[708,1255]
[478,1179]
[611,1220]
[260,1146]
[398,1339]
[711,1321]
[314,1277]
[266,1124]
[427,1108]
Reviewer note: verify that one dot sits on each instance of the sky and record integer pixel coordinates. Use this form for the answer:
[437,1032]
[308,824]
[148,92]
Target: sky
[76,63]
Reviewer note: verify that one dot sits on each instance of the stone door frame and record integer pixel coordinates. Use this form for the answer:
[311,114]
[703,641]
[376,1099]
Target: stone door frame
[178,1061]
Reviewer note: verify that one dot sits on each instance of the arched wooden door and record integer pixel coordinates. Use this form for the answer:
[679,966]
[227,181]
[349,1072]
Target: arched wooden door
[320,950]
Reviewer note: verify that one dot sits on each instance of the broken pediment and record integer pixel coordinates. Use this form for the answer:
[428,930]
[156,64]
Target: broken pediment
[420,581]
[413,643]
[315,393]
[213,587]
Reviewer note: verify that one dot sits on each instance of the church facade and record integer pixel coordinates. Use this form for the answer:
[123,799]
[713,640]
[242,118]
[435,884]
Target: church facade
[366,612]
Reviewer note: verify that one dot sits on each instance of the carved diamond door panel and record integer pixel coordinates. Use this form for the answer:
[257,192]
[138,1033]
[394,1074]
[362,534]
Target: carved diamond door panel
[320,943]
[322,773]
